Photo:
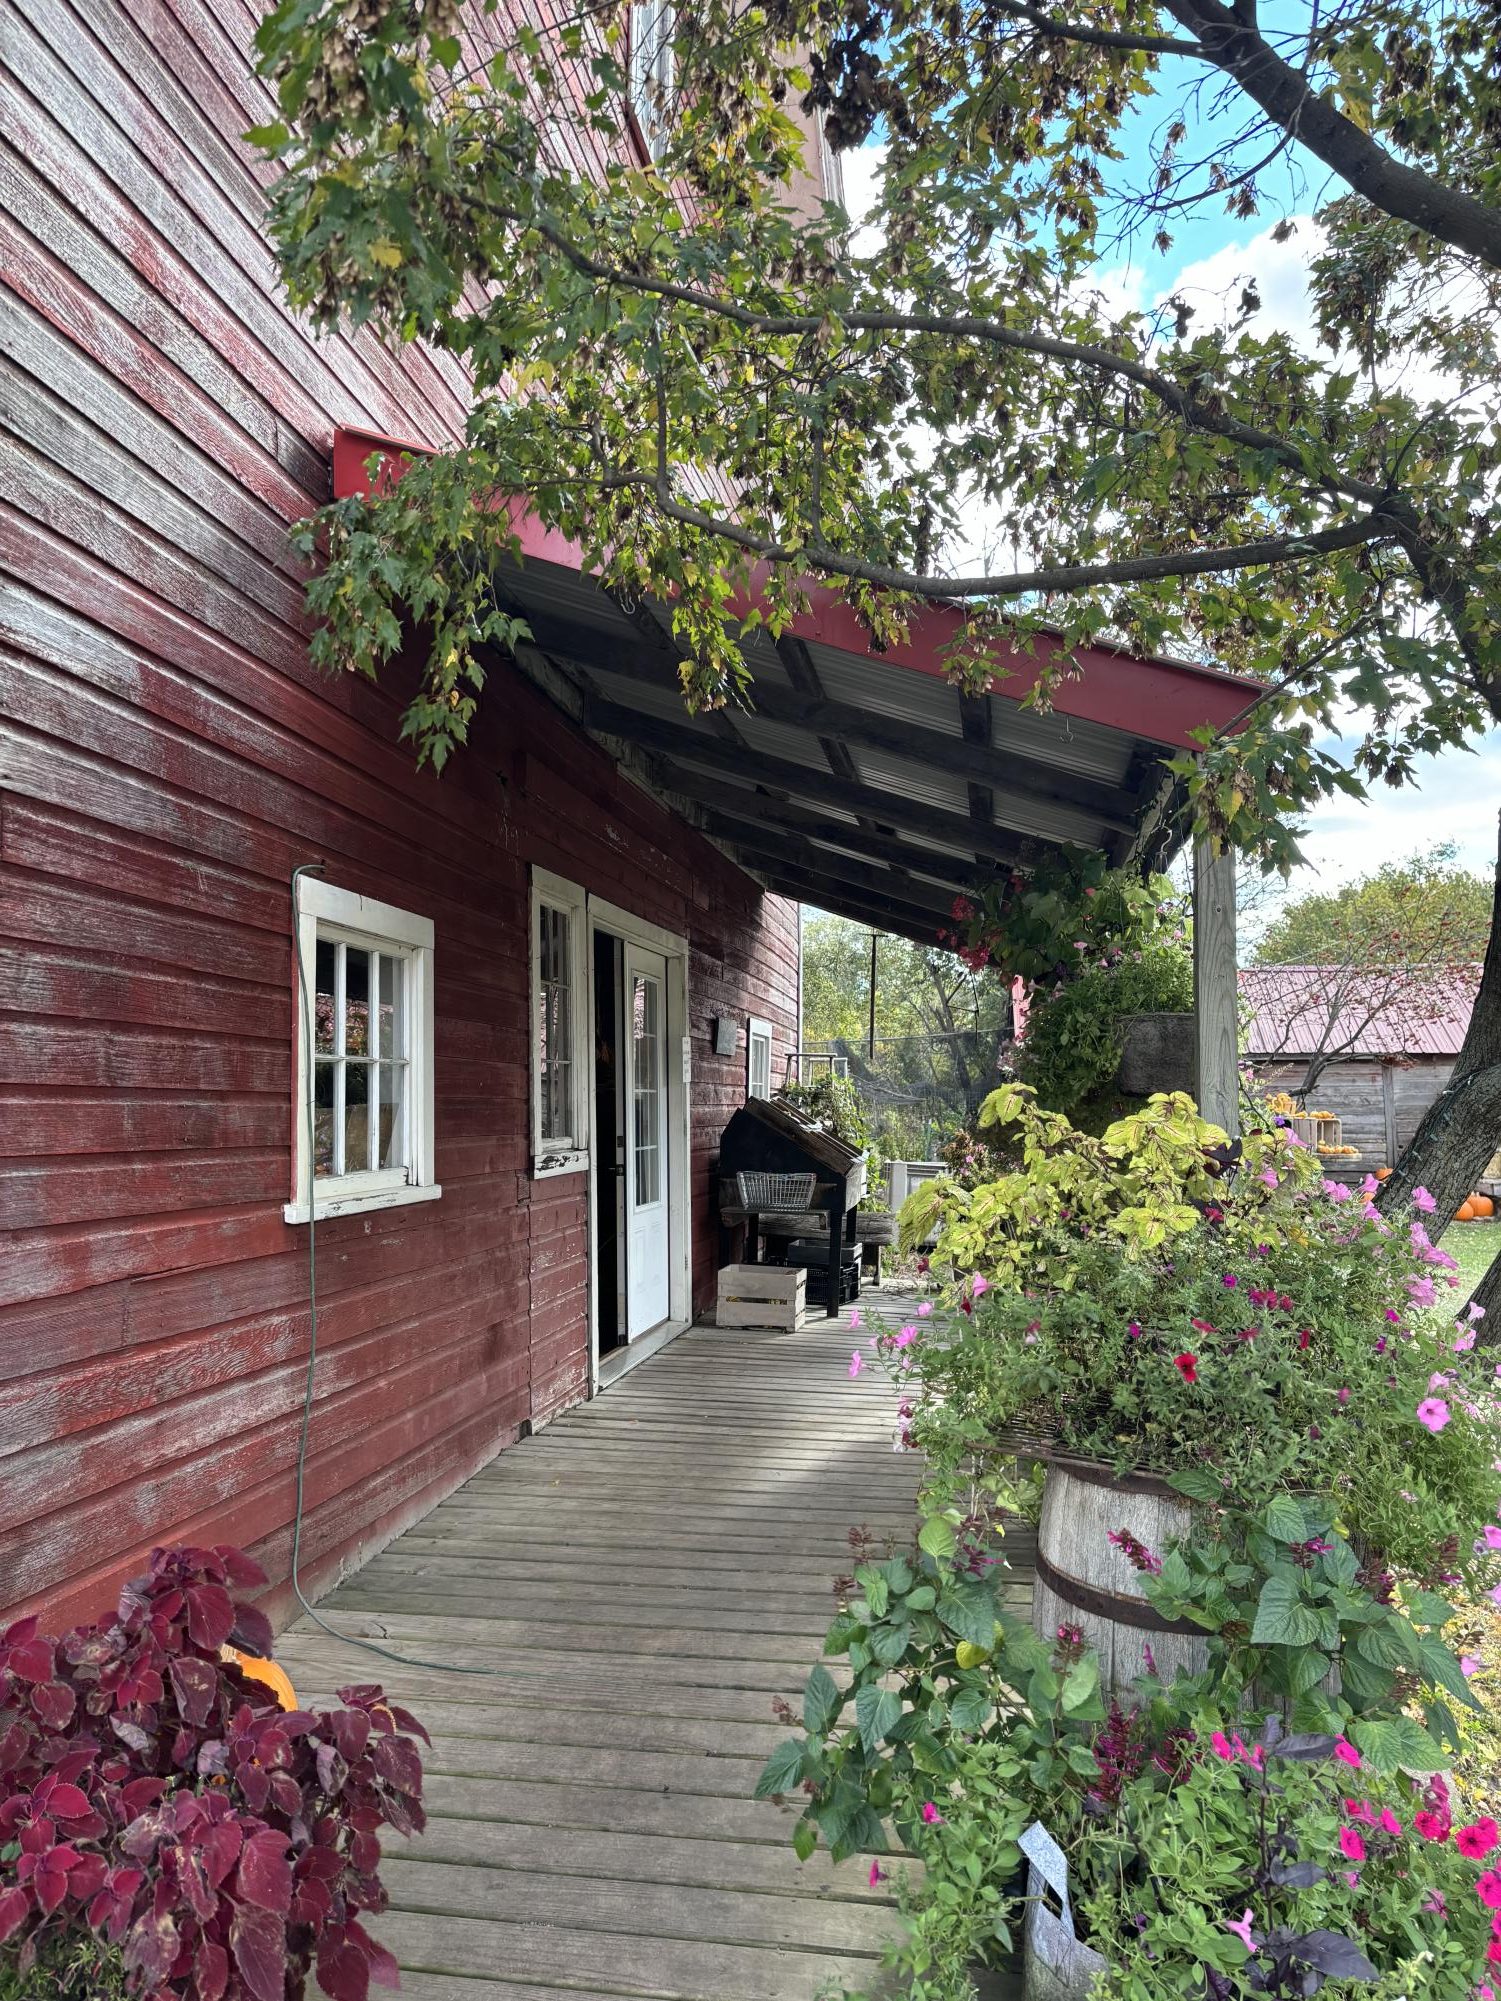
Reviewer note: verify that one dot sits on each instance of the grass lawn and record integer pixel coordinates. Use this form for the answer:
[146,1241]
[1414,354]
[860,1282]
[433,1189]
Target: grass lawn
[1474,1245]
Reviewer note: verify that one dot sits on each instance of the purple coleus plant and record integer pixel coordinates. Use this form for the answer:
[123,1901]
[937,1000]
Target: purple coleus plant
[154,1795]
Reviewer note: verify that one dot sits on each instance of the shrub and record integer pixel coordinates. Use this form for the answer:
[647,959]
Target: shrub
[154,1805]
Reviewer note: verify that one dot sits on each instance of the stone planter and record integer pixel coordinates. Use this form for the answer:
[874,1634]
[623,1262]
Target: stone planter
[1083,1580]
[1157,1054]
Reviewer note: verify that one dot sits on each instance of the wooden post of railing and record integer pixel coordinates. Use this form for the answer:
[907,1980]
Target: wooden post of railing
[1215,1011]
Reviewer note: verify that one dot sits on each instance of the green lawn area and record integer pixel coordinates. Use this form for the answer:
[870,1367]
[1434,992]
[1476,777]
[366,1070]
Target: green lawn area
[1474,1245]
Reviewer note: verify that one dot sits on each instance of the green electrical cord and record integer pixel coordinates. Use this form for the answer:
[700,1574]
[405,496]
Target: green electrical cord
[305,993]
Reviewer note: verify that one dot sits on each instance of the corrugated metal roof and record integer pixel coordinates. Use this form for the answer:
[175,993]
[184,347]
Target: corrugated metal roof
[1387,1011]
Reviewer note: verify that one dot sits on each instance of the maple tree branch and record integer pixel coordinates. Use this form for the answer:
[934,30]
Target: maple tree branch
[1102,38]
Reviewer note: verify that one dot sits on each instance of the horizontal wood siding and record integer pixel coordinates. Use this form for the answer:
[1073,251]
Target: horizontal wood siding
[167,757]
[1355,1091]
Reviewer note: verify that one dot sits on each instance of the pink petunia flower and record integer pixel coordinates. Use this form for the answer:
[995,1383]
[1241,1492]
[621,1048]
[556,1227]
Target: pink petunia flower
[1389,1822]
[978,1286]
[877,1874]
[1478,1839]
[1430,1825]
[1346,1751]
[1219,1743]
[1420,1290]
[1488,1890]
[1470,1665]
[1423,1201]
[931,1816]
[925,1310]
[857,1363]
[1351,1845]
[857,1320]
[1434,1413]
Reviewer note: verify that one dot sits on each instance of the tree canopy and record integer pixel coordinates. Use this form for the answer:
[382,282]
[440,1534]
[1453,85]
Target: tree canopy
[1425,911]
[722,392]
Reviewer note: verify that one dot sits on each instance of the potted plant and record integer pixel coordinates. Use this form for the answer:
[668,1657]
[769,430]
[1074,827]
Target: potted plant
[167,1829]
[1183,1812]
[1148,1322]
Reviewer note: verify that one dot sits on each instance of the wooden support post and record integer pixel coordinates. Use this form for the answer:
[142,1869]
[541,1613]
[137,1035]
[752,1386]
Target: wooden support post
[1215,994]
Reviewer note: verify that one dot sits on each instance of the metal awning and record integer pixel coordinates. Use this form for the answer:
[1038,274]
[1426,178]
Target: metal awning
[861,782]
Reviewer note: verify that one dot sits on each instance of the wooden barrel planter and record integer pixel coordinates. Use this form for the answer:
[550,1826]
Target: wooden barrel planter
[1083,1580]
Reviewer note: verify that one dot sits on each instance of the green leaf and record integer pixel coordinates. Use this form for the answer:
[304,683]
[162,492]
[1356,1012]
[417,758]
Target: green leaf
[804,1838]
[923,1599]
[822,1702]
[877,1710]
[1080,1683]
[1441,1669]
[1393,1743]
[889,1641]
[872,1580]
[970,1709]
[1198,1485]
[968,1610]
[1426,1608]
[1306,1670]
[938,1537]
[1284,1519]
[783,1770]
[1283,1619]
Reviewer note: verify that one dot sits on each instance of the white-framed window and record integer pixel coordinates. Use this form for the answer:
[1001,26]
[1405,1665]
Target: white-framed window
[758,1058]
[364,1093]
[651,72]
[562,1065]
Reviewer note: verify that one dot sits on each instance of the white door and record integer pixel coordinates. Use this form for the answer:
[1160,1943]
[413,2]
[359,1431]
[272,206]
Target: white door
[647,1178]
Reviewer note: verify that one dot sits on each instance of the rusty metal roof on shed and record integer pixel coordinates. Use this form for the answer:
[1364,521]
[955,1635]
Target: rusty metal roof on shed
[1391,1014]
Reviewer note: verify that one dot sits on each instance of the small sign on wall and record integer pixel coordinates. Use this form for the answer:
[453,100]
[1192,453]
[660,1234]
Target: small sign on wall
[726,1035]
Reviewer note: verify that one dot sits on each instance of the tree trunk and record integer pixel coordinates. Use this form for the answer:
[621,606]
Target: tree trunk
[1459,1132]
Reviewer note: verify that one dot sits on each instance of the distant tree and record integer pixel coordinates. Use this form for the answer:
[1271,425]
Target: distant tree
[939,1025]
[1423,910]
[1398,947]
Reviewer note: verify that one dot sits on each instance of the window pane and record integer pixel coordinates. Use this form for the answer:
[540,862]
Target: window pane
[647,1090]
[323,1117]
[356,1116]
[325,974]
[393,984]
[356,1001]
[555,1024]
[393,1115]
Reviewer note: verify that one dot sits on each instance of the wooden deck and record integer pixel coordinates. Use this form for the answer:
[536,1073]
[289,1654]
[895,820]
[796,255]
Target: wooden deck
[643,1577]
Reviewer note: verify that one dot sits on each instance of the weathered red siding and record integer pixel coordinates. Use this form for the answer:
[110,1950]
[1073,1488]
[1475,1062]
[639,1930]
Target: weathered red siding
[168,757]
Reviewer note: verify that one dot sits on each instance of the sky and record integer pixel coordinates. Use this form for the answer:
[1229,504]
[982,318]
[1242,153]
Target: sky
[1212,256]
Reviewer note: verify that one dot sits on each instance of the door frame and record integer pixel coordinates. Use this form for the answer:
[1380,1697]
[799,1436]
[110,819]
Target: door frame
[611,918]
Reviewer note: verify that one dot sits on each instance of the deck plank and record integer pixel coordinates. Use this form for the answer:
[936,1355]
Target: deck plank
[639,1582]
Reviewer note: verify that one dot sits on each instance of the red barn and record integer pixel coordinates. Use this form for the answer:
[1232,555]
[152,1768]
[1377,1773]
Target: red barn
[532,991]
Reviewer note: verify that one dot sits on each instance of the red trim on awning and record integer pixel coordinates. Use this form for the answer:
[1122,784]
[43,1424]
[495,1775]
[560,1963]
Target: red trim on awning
[1160,700]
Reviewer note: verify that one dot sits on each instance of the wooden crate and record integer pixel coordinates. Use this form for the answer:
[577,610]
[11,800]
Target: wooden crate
[761,1296]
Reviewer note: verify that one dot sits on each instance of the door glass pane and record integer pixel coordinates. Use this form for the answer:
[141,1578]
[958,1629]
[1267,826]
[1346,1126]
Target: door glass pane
[647,1089]
[325,973]
[356,1116]
[392,1128]
[356,1001]
[323,1117]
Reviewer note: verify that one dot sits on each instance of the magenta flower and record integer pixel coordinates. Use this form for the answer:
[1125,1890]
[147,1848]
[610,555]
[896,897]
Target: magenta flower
[1219,1743]
[1423,1201]
[1342,1396]
[1488,1890]
[857,1363]
[1470,1665]
[1134,1330]
[978,1286]
[1420,1289]
[1477,1840]
[1431,1826]
[856,1320]
[1242,1930]
[931,1816]
[1351,1845]
[1347,1752]
[1389,1822]
[925,1309]
[1434,1413]
[1229,1280]
[877,1874]
[1492,1536]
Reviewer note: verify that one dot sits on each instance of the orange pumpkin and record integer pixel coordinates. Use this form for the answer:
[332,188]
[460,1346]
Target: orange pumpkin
[1465,1213]
[274,1677]
[1483,1206]
[1383,1174]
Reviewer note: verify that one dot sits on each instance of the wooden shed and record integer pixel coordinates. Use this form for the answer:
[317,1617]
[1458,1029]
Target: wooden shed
[1390,1038]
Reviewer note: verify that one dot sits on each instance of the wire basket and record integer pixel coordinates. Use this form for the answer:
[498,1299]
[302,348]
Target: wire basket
[761,1192]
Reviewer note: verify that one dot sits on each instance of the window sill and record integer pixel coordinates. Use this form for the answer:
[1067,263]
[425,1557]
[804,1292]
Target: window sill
[358,1204]
[548,1165]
